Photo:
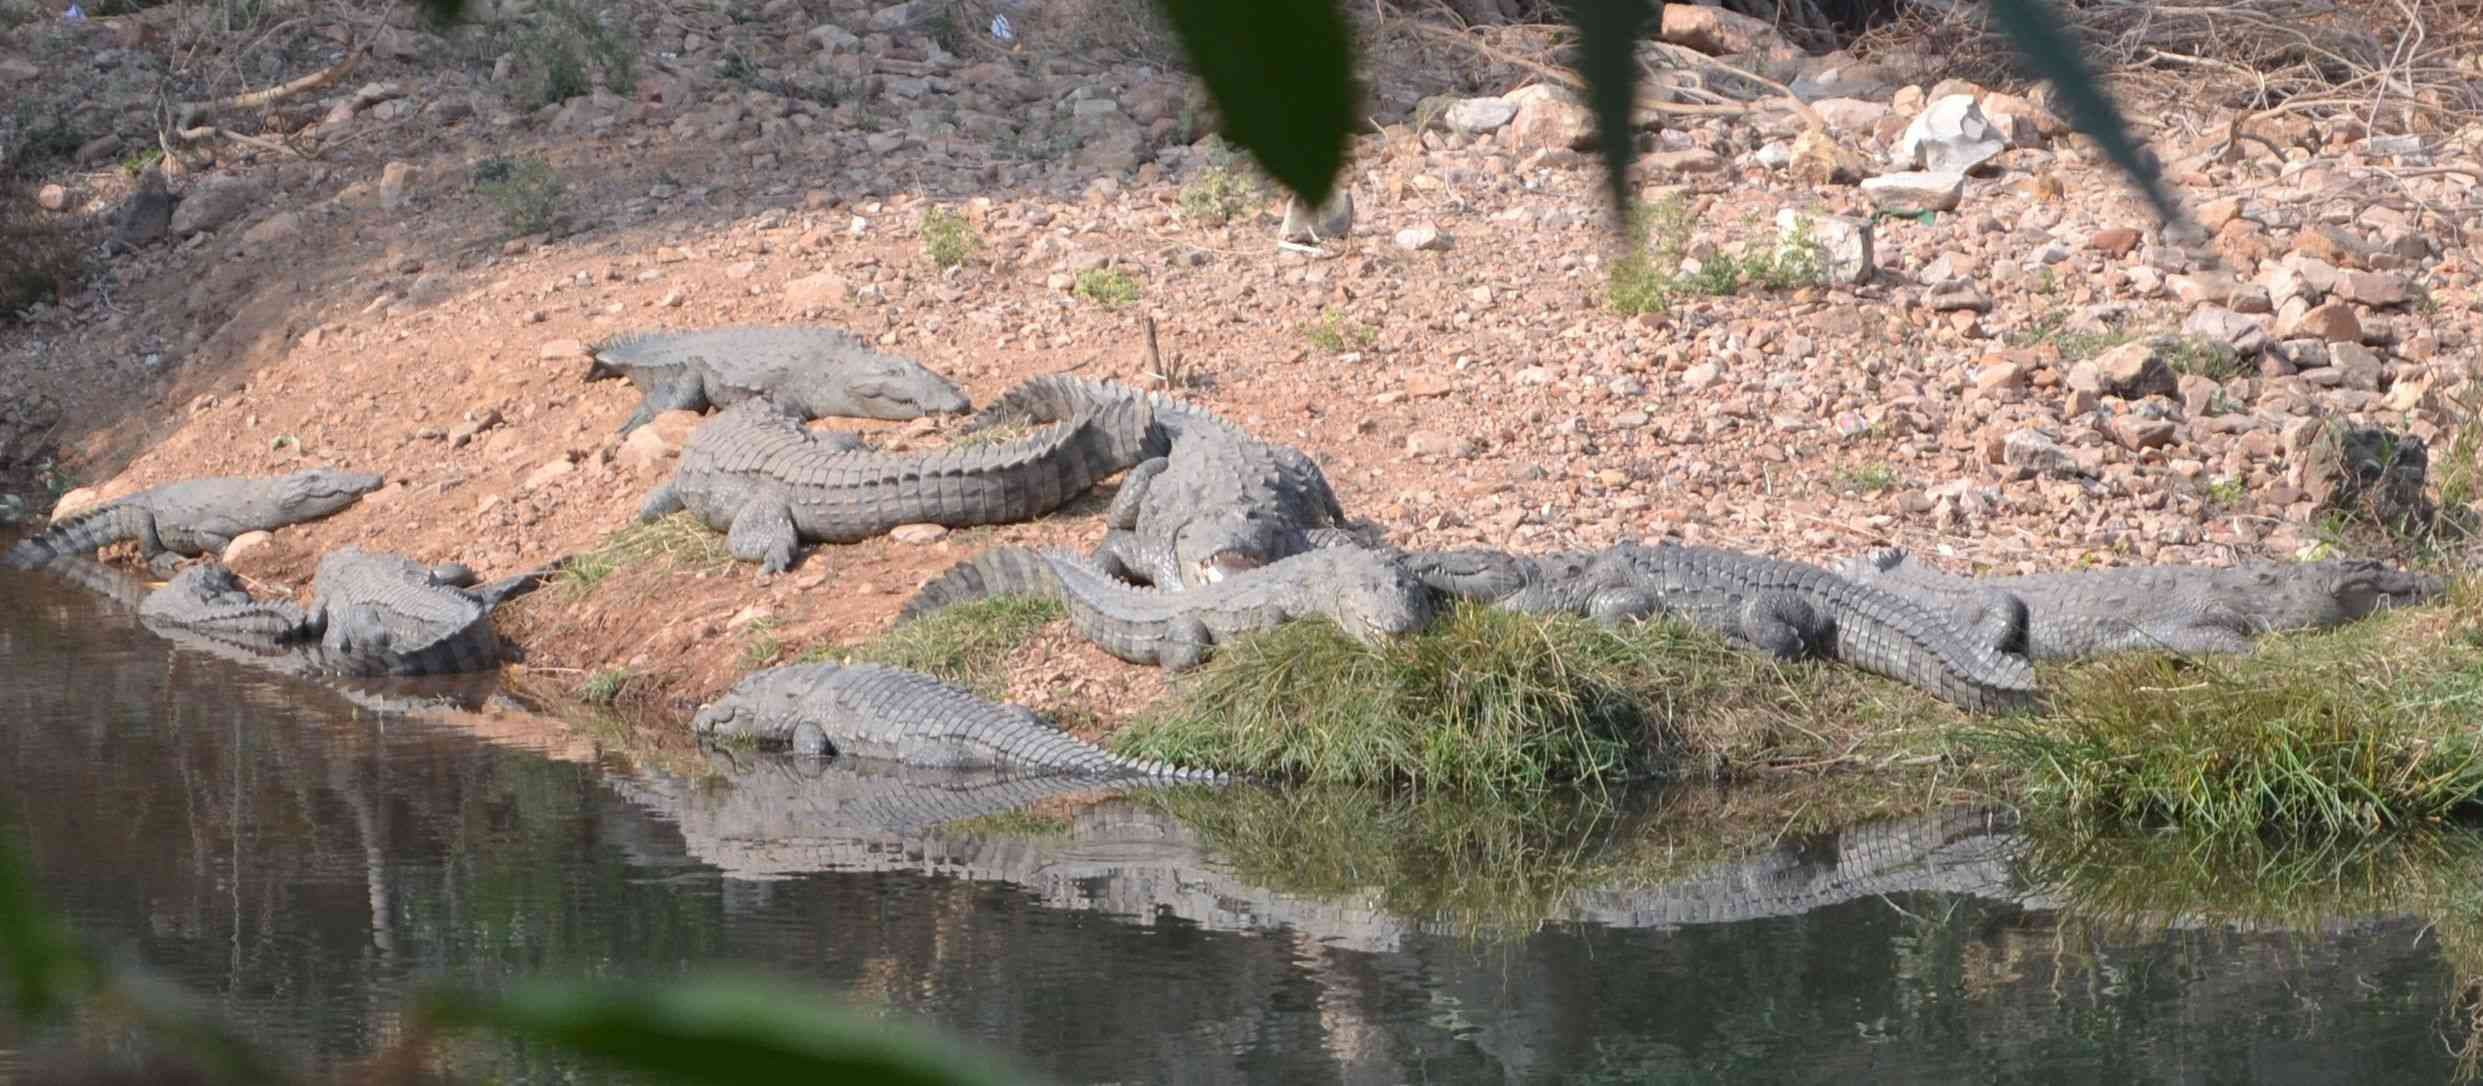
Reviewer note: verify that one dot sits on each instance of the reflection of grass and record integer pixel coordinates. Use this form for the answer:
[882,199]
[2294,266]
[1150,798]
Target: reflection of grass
[2370,725]
[1495,869]
[2140,882]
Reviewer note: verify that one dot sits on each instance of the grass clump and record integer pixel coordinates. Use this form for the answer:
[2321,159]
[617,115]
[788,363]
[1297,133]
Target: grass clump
[1106,286]
[527,192]
[604,686]
[1218,195]
[679,541]
[947,238]
[1648,276]
[1489,701]
[1336,335]
[967,644]
[2199,356]
[2366,727]
[556,52]
[1866,478]
[2078,346]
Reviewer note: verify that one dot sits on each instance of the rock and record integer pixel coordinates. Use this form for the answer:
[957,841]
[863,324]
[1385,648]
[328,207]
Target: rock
[1691,160]
[2379,290]
[1475,116]
[1422,237]
[51,198]
[75,501]
[2333,322]
[1818,160]
[2332,244]
[1435,443]
[2136,432]
[1717,32]
[1845,242]
[281,226]
[1552,117]
[2225,327]
[475,426]
[102,148]
[245,543]
[2114,241]
[2133,371]
[218,201]
[1957,295]
[816,291]
[563,350]
[1330,222]
[2369,472]
[1951,135]
[2000,377]
[2021,122]
[1915,192]
[2037,454]
[393,181]
[1849,114]
[918,533]
[2356,366]
[543,476]
[1700,376]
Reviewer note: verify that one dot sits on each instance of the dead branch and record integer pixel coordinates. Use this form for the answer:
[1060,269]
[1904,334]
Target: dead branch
[259,99]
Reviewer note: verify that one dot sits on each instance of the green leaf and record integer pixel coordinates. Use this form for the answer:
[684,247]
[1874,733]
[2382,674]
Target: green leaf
[2044,41]
[1606,56]
[1282,74]
[718,1030]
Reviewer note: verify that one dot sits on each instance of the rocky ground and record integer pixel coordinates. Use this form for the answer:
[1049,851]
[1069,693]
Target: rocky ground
[2029,376]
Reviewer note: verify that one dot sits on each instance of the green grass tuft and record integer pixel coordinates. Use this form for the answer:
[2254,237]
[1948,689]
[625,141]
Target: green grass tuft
[947,239]
[1336,335]
[2369,726]
[527,192]
[604,687]
[1491,701]
[967,644]
[1107,286]
[680,541]
[1218,195]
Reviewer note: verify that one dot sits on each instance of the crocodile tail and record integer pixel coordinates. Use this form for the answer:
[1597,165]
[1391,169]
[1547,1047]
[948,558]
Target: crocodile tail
[1000,571]
[122,588]
[1881,631]
[1059,397]
[509,588]
[84,532]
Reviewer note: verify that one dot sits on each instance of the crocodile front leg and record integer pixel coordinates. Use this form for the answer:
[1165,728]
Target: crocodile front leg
[662,502]
[1779,624]
[763,532]
[1184,645]
[679,394]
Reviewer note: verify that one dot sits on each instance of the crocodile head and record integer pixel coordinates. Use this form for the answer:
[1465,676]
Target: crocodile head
[762,707]
[321,491]
[2356,587]
[1370,595]
[883,387]
[1211,548]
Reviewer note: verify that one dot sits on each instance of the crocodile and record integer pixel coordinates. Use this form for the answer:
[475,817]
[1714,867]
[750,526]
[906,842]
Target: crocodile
[239,642]
[1363,591]
[195,516]
[371,614]
[2183,609]
[890,714]
[1210,499]
[1786,609]
[808,372]
[772,484]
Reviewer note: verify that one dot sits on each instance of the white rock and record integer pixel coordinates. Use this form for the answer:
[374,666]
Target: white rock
[1915,191]
[1475,116]
[1950,136]
[1845,242]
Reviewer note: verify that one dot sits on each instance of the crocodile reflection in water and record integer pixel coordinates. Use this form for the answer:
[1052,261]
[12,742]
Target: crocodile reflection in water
[1121,850]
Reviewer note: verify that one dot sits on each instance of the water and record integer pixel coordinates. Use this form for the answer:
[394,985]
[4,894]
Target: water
[304,863]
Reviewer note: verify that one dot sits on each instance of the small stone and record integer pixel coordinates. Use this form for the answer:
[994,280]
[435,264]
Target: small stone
[2333,322]
[2036,453]
[1691,160]
[1951,135]
[2379,290]
[1475,116]
[1846,242]
[562,350]
[1958,295]
[1435,443]
[51,198]
[1700,376]
[1913,193]
[2135,432]
[918,533]
[245,543]
[2005,375]
[819,290]
[543,476]
[2115,241]
[2134,370]
[1422,237]
[467,431]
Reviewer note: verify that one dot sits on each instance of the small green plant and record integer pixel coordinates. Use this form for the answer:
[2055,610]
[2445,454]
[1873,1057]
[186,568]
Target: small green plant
[760,645]
[680,541]
[2198,356]
[948,239]
[1336,335]
[1866,478]
[555,52]
[1106,286]
[968,643]
[141,160]
[2227,492]
[604,687]
[1218,195]
[526,190]
[2053,328]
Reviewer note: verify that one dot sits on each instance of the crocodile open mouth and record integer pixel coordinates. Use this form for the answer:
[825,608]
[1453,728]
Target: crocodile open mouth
[1222,564]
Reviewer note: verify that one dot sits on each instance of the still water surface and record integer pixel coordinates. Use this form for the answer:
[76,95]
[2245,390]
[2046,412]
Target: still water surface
[305,862]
